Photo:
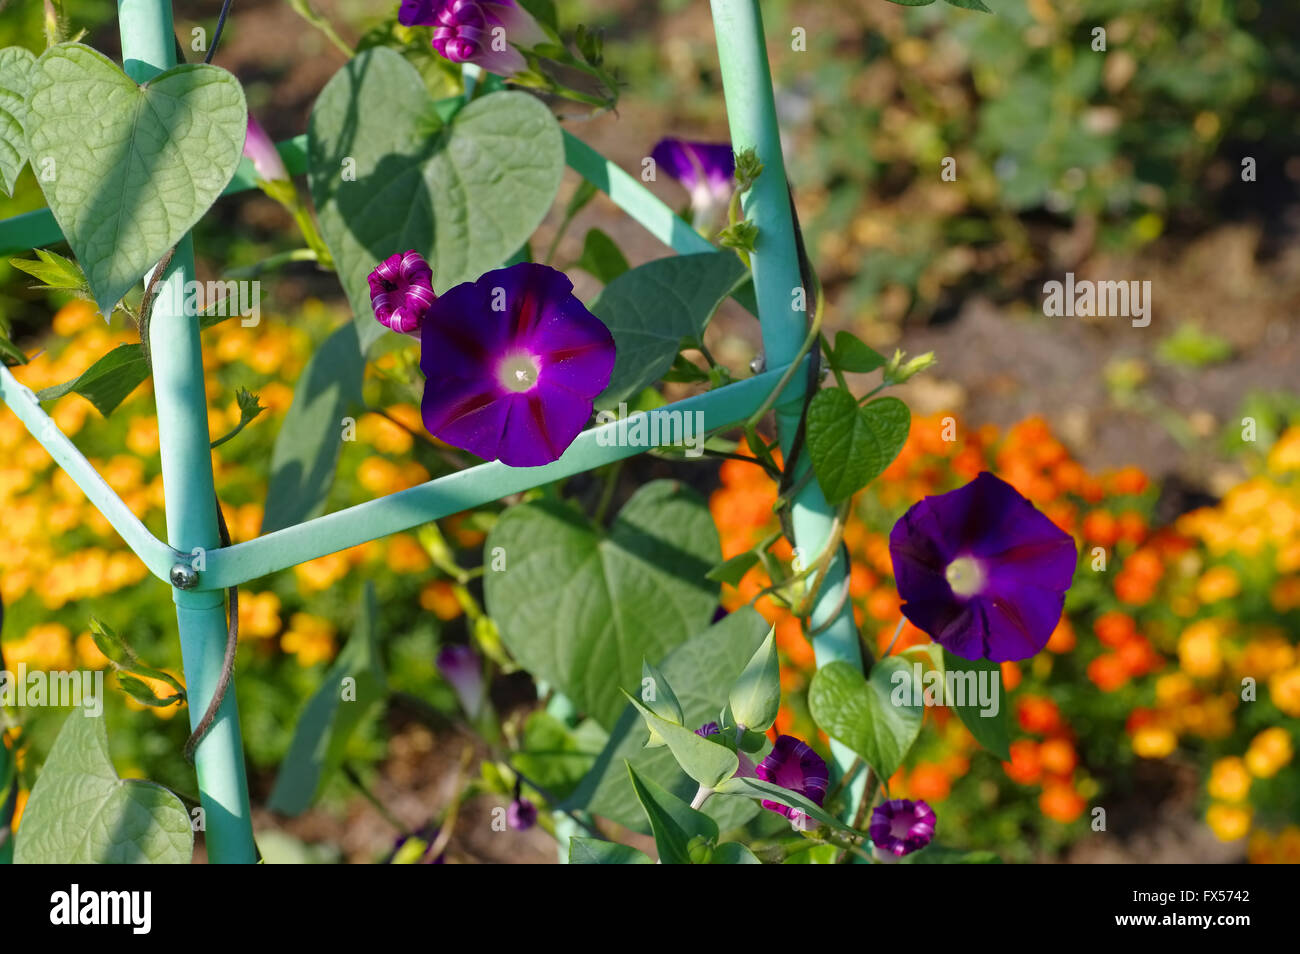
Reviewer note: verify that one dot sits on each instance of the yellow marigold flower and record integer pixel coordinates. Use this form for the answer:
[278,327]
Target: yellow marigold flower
[46,646]
[1199,652]
[73,317]
[439,598]
[379,476]
[70,414]
[384,436]
[142,435]
[1266,655]
[310,638]
[1288,558]
[1268,752]
[1285,594]
[1228,822]
[1285,455]
[1229,780]
[1154,742]
[409,415]
[275,397]
[88,652]
[124,474]
[1287,845]
[1284,690]
[1174,689]
[405,555]
[259,615]
[1218,583]
[321,573]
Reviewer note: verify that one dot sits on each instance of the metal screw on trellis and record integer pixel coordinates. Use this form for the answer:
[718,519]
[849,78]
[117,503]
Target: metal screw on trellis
[757,364]
[184,576]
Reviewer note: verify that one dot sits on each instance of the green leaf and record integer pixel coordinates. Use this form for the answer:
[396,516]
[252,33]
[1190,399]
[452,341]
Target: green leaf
[936,854]
[650,310]
[124,658]
[707,762]
[466,196]
[16,68]
[352,691]
[139,690]
[875,716]
[733,570]
[80,812]
[701,670]
[133,168]
[601,257]
[556,757]
[849,445]
[733,853]
[106,383]
[311,438]
[759,789]
[673,822]
[53,271]
[10,353]
[991,730]
[969,5]
[659,698]
[756,696]
[850,354]
[582,610]
[593,851]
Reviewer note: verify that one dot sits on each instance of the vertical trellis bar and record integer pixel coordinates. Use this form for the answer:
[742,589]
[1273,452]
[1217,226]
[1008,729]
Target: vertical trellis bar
[148,48]
[751,111]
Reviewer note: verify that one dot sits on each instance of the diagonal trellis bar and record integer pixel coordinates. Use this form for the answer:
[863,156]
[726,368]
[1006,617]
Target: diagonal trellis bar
[147,43]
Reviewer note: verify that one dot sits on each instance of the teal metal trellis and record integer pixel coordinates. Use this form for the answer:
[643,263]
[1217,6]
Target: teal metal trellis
[148,48]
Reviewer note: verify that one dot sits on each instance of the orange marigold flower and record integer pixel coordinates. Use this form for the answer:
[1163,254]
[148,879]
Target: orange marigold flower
[930,782]
[1010,676]
[1061,802]
[1058,756]
[1062,639]
[1101,528]
[1108,672]
[1025,767]
[1129,480]
[1114,628]
[1039,714]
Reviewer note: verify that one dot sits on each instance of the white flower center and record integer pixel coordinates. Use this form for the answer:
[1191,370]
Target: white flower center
[518,372]
[965,575]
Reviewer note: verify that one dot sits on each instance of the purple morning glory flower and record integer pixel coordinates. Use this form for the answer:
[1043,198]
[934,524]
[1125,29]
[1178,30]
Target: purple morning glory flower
[261,151]
[705,169]
[401,291]
[901,826]
[706,730]
[982,571]
[485,32]
[513,362]
[521,815]
[747,768]
[794,765]
[461,667]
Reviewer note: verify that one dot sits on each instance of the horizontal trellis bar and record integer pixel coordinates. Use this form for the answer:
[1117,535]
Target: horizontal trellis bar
[466,489]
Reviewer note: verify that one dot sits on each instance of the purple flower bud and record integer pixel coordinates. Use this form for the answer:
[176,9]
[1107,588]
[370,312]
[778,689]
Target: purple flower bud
[793,765]
[485,32]
[747,768]
[462,668]
[522,814]
[401,292]
[706,730]
[705,169]
[261,151]
[513,364]
[982,571]
[901,826]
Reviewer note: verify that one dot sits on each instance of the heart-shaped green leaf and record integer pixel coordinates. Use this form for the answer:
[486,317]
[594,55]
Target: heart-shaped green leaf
[651,309]
[876,717]
[16,67]
[582,610]
[386,176]
[127,170]
[849,445]
[989,717]
[80,812]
